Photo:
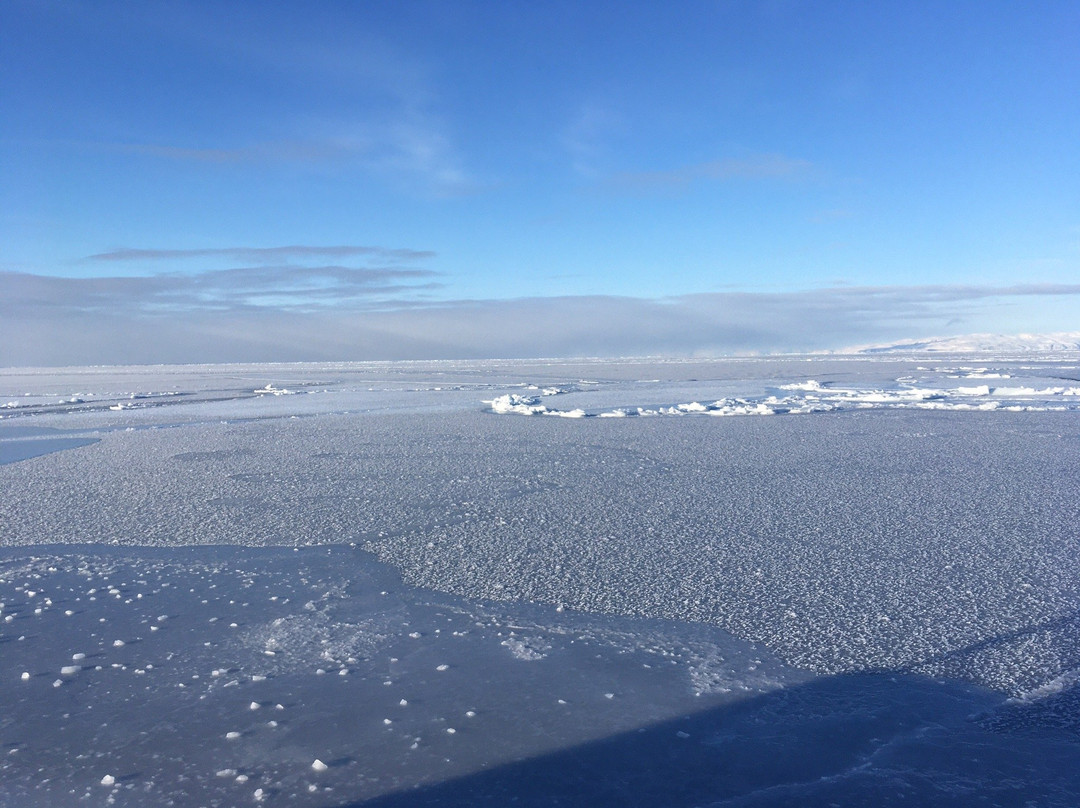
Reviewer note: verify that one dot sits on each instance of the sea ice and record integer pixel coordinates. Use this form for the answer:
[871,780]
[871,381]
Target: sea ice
[707,593]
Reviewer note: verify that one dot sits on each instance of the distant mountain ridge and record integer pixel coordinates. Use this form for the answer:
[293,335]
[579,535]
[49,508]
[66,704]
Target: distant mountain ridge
[978,343]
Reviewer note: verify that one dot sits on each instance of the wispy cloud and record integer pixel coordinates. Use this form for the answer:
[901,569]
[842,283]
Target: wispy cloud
[585,137]
[339,96]
[412,152]
[831,215]
[755,167]
[202,155]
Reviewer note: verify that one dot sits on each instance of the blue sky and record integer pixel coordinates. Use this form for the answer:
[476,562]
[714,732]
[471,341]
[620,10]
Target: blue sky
[387,169]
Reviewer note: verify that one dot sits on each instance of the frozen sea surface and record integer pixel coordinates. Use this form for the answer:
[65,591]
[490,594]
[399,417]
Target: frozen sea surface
[378,584]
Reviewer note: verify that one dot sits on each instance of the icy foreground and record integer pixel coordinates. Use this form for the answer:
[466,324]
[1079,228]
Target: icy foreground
[376,584]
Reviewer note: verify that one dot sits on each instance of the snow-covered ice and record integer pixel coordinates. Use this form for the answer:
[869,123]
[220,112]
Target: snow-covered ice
[835,605]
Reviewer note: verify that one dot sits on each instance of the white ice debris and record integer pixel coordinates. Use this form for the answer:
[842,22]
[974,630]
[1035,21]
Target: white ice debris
[812,396]
[526,648]
[514,403]
[528,405]
[273,391]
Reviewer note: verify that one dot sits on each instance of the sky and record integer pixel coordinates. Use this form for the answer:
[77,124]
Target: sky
[251,181]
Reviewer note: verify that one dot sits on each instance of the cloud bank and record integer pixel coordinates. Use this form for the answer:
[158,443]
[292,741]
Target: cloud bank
[281,312]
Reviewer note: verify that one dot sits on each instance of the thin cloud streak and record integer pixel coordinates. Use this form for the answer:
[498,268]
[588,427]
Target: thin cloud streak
[276,288]
[261,254]
[269,152]
[757,167]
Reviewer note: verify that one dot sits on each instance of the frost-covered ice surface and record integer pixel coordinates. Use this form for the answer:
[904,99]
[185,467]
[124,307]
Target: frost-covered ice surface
[375,584]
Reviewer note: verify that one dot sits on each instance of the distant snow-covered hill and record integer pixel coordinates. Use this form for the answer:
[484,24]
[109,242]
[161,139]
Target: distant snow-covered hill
[979,343]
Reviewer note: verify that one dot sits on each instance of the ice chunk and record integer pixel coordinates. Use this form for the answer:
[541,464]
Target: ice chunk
[513,403]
